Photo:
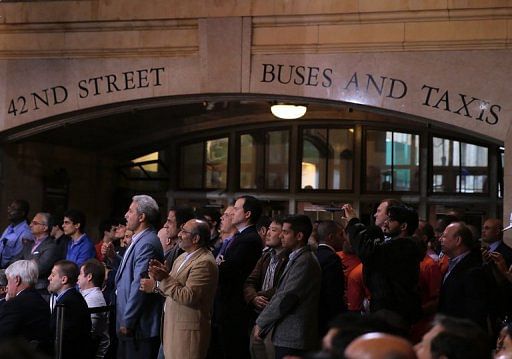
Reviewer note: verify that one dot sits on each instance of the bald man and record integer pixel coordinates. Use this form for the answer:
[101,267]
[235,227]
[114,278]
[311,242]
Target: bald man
[492,239]
[380,346]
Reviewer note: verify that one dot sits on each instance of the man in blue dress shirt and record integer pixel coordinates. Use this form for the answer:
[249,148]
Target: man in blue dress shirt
[16,233]
[80,247]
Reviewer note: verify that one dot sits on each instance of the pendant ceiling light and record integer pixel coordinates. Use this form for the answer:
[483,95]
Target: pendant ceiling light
[288,112]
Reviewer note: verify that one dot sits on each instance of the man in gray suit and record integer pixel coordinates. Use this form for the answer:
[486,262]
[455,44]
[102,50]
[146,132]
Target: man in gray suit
[138,313]
[292,312]
[43,250]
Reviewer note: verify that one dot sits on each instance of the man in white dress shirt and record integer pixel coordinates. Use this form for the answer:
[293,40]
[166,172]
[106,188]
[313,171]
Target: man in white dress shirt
[90,281]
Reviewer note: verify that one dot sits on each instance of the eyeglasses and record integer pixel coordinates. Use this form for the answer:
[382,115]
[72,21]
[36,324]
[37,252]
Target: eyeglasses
[188,232]
[35,223]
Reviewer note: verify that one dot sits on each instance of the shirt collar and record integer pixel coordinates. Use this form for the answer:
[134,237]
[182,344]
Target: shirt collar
[241,229]
[453,261]
[296,253]
[493,246]
[61,294]
[326,245]
[18,226]
[138,235]
[79,240]
[87,291]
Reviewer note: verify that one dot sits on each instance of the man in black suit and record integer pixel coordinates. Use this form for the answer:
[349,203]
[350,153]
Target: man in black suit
[464,292]
[332,288]
[492,239]
[391,266]
[43,250]
[76,339]
[231,314]
[25,314]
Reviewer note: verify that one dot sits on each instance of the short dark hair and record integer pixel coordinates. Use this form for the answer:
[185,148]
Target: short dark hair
[211,212]
[405,214]
[253,205]
[96,269]
[77,217]
[105,225]
[427,230]
[23,205]
[68,269]
[460,338]
[277,219]
[182,214]
[263,222]
[325,228]
[300,223]
[392,202]
[55,221]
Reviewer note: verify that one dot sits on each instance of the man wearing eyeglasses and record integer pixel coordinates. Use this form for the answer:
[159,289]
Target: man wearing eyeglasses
[189,291]
[43,250]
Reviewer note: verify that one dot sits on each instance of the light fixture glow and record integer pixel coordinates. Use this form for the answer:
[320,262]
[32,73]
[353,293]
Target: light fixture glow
[288,112]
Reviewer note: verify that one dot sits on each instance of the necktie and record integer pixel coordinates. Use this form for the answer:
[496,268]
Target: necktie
[53,302]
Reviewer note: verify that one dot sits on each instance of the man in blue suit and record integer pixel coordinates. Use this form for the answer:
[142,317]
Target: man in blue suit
[138,313]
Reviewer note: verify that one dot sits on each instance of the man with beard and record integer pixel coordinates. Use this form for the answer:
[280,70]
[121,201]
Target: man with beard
[391,268]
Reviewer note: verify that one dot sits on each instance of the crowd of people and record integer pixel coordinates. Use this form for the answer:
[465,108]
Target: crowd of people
[243,285]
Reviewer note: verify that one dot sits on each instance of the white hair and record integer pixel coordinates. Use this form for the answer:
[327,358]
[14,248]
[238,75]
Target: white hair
[25,269]
[147,205]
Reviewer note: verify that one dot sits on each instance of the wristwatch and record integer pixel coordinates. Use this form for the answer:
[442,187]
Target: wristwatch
[157,287]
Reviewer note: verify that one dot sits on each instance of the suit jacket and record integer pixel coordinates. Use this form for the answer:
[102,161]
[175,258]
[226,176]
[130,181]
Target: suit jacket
[239,260]
[506,252]
[332,289]
[464,293]
[292,312]
[172,255]
[28,316]
[76,341]
[189,295]
[390,270]
[46,254]
[135,309]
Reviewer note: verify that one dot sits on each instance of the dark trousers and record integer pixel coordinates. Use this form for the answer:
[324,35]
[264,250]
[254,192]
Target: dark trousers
[130,348]
[281,352]
[234,336]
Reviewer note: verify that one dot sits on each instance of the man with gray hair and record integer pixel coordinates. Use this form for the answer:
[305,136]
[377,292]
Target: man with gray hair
[138,313]
[25,314]
[43,250]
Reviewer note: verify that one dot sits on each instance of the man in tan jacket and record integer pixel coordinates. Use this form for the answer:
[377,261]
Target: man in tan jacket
[189,290]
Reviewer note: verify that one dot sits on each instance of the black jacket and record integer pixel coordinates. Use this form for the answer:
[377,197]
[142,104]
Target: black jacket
[76,341]
[28,316]
[390,269]
[332,289]
[464,292]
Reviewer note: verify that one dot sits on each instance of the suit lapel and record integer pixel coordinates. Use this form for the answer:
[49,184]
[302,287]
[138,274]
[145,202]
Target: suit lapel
[177,264]
[128,253]
[190,261]
[291,262]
